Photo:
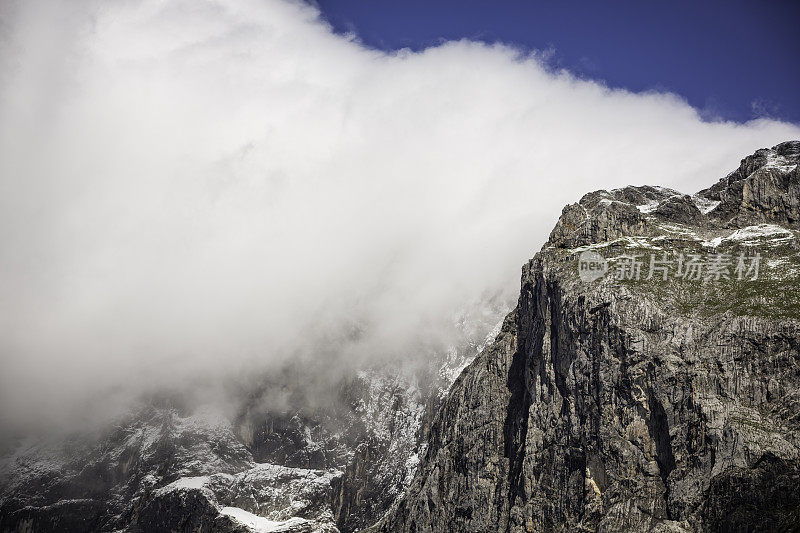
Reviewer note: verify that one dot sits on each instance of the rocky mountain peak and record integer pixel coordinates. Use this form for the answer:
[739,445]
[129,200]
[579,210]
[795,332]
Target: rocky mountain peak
[765,188]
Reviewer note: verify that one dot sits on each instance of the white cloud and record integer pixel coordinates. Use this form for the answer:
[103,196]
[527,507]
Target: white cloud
[192,187]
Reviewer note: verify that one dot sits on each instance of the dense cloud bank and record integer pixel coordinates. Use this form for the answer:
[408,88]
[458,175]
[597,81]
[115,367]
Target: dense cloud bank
[189,190]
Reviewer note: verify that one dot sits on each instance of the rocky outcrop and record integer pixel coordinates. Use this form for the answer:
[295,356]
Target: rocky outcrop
[287,499]
[162,470]
[765,188]
[640,401]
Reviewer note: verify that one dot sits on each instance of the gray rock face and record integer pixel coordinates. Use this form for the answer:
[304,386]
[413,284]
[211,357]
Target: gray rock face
[765,188]
[635,404]
[162,470]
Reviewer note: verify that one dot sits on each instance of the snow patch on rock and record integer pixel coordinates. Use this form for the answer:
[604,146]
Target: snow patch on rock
[704,204]
[259,524]
[753,235]
[193,482]
[649,207]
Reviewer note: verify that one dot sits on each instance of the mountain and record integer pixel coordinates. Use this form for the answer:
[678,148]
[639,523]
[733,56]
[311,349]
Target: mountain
[292,451]
[648,378]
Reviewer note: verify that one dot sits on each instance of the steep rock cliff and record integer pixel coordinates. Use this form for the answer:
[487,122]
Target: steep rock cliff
[636,402]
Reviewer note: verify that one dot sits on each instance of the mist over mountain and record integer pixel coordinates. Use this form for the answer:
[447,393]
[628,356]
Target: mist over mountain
[257,276]
[604,402]
[193,190]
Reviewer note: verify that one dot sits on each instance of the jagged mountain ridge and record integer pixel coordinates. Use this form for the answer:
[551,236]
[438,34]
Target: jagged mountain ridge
[635,404]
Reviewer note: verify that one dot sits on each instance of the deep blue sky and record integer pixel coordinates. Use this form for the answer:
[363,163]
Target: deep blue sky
[731,59]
